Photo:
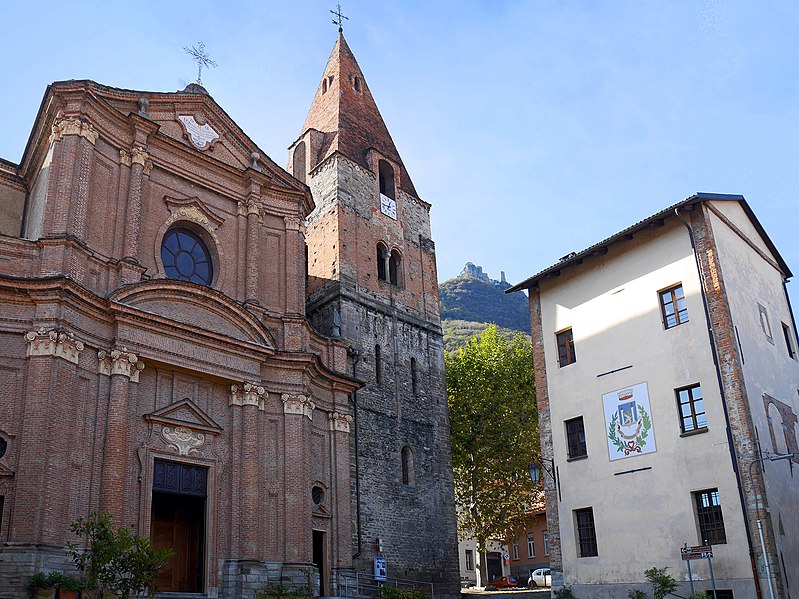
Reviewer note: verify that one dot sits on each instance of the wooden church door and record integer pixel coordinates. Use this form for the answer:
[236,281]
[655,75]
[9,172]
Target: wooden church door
[178,523]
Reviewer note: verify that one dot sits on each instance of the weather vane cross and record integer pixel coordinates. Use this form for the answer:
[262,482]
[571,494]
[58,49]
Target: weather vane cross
[339,16]
[202,59]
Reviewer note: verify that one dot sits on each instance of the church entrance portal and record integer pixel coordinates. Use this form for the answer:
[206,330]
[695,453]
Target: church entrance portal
[319,559]
[178,523]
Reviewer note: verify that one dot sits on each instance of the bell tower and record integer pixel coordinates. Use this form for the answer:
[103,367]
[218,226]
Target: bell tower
[372,282]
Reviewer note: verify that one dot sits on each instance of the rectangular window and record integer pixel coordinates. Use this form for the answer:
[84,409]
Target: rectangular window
[515,549]
[469,559]
[575,438]
[378,366]
[672,306]
[530,545]
[764,323]
[565,348]
[546,542]
[586,534]
[786,331]
[692,409]
[2,505]
[708,515]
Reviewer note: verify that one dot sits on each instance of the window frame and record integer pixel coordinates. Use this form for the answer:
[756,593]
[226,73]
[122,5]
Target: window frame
[469,559]
[673,302]
[709,518]
[530,544]
[580,443]
[585,532]
[514,549]
[694,414]
[566,353]
[788,334]
[546,542]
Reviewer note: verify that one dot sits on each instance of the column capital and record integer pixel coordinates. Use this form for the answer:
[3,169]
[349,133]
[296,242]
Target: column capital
[339,422]
[247,394]
[138,155]
[301,405]
[54,342]
[120,361]
[73,126]
[294,223]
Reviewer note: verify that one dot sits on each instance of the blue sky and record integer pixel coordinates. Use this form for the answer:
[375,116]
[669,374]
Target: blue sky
[535,128]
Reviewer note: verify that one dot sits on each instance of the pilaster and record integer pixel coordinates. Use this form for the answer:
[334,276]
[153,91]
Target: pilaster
[40,510]
[123,367]
[298,412]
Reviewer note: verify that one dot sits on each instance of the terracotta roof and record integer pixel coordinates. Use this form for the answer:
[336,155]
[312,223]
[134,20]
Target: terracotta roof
[344,110]
[598,249]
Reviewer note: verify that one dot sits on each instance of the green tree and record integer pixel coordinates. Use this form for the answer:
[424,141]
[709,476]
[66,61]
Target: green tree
[494,429]
[114,560]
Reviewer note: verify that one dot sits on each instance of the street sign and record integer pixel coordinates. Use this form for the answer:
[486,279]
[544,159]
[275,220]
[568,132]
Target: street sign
[696,552]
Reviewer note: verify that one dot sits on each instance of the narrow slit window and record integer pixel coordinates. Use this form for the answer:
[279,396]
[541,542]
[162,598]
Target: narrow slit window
[378,366]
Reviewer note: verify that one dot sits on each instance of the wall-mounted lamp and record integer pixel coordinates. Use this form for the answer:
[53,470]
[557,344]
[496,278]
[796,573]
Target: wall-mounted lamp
[535,470]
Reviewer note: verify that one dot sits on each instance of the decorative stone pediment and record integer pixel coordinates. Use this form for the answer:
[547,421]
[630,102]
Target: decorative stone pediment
[195,210]
[298,404]
[184,414]
[4,471]
[54,342]
[321,511]
[247,394]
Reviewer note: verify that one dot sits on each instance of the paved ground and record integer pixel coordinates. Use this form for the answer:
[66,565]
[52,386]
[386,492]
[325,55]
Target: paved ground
[477,593]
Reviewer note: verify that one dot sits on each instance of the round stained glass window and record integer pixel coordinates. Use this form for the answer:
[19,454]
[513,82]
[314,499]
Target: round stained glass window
[186,257]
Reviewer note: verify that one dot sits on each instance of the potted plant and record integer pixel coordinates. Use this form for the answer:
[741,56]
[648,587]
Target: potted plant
[67,586]
[42,586]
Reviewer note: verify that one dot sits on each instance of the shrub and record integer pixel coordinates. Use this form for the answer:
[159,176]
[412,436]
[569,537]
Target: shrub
[637,594]
[276,589]
[662,584]
[40,580]
[65,583]
[115,559]
[564,593]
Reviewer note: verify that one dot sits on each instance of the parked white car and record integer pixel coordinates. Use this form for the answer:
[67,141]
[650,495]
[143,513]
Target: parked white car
[540,578]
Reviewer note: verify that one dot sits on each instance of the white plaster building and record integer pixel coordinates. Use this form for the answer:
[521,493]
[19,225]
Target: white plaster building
[666,364]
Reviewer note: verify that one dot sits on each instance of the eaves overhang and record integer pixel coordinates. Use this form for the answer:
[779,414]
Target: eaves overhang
[656,220]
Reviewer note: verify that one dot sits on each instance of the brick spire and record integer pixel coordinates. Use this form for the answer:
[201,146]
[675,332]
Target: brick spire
[345,111]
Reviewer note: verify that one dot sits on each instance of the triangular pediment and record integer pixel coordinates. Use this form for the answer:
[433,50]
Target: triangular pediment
[321,512]
[190,117]
[185,413]
[4,471]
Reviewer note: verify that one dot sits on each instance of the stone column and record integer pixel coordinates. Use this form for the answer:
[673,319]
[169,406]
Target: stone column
[298,412]
[40,510]
[250,397]
[140,166]
[123,367]
[340,468]
[295,258]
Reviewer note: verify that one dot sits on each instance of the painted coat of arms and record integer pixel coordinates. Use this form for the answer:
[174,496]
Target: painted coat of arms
[629,425]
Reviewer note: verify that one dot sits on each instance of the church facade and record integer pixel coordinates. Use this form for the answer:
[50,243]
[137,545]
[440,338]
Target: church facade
[197,343]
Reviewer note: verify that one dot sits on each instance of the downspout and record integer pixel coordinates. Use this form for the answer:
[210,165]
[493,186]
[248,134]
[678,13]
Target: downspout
[356,356]
[790,310]
[720,381]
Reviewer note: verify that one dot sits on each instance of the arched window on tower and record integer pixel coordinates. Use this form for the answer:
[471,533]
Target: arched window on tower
[298,163]
[356,82]
[382,262]
[394,262]
[386,174]
[407,466]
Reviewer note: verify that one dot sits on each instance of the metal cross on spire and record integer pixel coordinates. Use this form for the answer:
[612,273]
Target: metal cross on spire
[339,16]
[202,59]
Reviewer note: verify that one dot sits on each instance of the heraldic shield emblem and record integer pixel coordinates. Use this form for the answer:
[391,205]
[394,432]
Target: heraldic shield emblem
[629,426]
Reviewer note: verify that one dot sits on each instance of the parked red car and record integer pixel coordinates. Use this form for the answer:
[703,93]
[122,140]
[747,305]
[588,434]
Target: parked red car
[504,582]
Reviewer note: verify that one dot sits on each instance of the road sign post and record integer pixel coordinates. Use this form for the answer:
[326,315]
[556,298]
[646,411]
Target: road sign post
[698,552]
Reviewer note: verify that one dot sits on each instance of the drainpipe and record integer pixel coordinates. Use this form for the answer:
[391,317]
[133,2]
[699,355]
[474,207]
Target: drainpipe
[356,356]
[720,381]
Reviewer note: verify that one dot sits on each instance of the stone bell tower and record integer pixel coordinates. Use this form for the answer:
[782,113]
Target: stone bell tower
[372,283]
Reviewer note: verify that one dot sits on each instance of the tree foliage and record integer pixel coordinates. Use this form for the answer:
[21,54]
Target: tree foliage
[494,429]
[115,561]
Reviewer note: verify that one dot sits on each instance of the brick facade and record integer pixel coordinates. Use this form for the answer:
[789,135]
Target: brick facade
[108,366]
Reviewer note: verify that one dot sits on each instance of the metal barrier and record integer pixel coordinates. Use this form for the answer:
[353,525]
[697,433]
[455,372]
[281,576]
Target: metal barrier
[365,585]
